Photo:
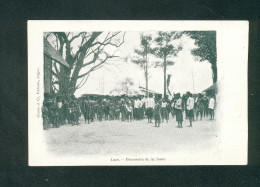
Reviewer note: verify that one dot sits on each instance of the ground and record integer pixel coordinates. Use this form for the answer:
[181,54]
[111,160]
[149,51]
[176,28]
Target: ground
[116,137]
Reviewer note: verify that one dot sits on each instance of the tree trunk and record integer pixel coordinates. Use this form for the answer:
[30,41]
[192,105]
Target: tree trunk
[65,80]
[214,73]
[164,76]
[69,81]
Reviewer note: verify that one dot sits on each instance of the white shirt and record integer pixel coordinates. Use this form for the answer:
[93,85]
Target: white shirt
[211,103]
[190,103]
[138,104]
[178,104]
[164,104]
[59,104]
[149,103]
[128,108]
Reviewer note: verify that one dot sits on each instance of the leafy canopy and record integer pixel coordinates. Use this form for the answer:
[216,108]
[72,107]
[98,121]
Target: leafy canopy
[164,49]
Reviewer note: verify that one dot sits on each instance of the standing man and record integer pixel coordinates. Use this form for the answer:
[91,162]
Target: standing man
[157,113]
[139,109]
[123,110]
[149,105]
[163,110]
[178,110]
[199,107]
[190,106]
[128,108]
[59,107]
[205,105]
[45,115]
[73,111]
[211,107]
[142,107]
[136,106]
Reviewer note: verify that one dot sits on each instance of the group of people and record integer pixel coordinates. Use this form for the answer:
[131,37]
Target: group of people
[59,110]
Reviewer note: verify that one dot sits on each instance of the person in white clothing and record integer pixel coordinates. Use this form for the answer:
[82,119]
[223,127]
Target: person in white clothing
[149,106]
[164,110]
[178,110]
[128,112]
[211,107]
[190,106]
[136,106]
[142,108]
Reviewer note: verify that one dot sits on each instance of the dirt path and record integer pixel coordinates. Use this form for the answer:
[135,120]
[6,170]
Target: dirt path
[116,137]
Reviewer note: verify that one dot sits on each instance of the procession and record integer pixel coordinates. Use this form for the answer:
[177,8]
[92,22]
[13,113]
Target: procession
[119,92]
[60,110]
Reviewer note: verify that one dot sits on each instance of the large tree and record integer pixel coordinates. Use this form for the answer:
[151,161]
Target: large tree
[206,50]
[85,52]
[141,56]
[165,50]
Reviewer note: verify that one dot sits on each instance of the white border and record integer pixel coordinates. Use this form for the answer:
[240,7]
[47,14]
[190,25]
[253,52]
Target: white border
[232,56]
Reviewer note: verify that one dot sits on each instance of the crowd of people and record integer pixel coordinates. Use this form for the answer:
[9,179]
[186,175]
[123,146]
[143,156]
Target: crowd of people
[60,110]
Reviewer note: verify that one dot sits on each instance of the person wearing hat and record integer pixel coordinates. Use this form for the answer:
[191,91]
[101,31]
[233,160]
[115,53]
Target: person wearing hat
[117,110]
[123,109]
[128,108]
[211,106]
[190,106]
[99,110]
[45,115]
[135,108]
[178,110]
[107,109]
[142,106]
[73,111]
[157,113]
[164,110]
[205,101]
[54,113]
[59,108]
[149,105]
[199,107]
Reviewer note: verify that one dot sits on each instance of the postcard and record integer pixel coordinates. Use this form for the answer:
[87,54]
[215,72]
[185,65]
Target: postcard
[137,93]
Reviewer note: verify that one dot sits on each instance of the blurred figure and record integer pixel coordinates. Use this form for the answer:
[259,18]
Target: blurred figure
[178,110]
[128,111]
[190,106]
[199,107]
[205,105]
[164,111]
[211,107]
[157,113]
[45,115]
[149,105]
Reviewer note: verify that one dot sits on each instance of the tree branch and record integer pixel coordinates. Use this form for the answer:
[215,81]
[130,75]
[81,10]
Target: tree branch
[73,38]
[87,44]
[96,66]
[55,66]
[109,39]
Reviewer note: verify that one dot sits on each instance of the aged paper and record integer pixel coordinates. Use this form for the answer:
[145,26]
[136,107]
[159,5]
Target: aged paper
[103,119]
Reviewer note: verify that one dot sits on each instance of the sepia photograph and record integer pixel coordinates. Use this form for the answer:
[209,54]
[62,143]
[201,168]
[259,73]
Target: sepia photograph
[144,93]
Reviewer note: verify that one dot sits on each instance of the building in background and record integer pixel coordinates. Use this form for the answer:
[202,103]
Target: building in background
[51,56]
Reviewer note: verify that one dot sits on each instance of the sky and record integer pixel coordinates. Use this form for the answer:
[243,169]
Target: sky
[187,73]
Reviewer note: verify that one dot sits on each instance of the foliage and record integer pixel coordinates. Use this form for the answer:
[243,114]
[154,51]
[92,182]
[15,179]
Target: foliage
[164,48]
[85,52]
[206,50]
[140,53]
